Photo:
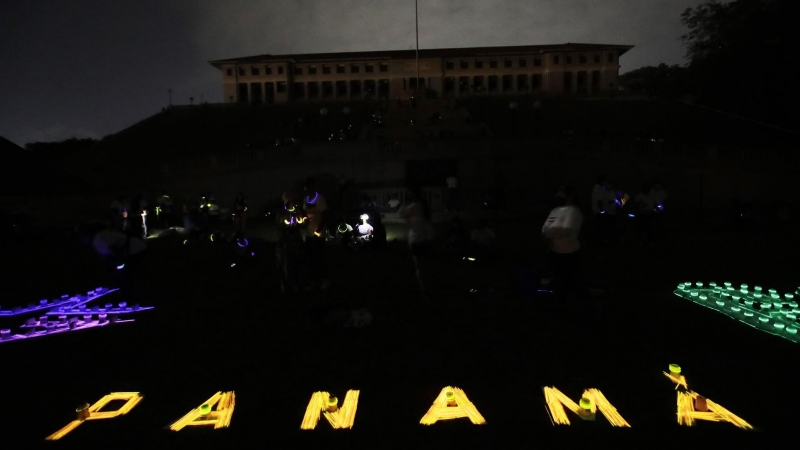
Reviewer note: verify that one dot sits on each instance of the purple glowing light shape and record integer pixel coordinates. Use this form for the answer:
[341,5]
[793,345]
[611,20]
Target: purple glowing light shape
[122,309]
[252,253]
[64,301]
[239,243]
[121,266]
[55,328]
[311,201]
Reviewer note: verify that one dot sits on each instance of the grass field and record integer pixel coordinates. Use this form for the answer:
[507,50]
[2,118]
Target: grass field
[221,328]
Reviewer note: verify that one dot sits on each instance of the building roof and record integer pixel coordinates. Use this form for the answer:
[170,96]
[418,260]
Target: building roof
[467,52]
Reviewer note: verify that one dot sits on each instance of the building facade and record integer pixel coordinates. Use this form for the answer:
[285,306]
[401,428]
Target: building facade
[453,72]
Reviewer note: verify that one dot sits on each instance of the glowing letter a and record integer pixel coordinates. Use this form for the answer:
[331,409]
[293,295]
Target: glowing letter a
[338,417]
[693,406]
[203,414]
[591,401]
[93,412]
[452,403]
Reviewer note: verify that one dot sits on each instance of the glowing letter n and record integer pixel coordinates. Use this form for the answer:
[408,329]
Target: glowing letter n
[591,401]
[338,417]
[452,403]
[93,412]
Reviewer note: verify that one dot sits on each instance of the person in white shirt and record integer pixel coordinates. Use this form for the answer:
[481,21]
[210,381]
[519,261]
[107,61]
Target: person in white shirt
[645,214]
[394,203]
[365,229]
[599,206]
[483,240]
[452,193]
[420,233]
[561,231]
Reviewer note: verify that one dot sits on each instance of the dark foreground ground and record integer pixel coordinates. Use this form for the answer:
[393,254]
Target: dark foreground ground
[221,328]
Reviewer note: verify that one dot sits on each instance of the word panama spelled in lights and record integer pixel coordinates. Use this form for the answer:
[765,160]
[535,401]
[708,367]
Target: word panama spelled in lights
[765,311]
[451,403]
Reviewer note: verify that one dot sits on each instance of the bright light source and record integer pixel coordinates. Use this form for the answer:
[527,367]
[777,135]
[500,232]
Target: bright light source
[121,266]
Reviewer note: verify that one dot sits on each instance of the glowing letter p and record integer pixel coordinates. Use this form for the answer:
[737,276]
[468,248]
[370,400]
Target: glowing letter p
[94,413]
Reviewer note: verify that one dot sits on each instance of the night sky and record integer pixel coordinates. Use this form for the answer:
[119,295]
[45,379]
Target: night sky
[79,68]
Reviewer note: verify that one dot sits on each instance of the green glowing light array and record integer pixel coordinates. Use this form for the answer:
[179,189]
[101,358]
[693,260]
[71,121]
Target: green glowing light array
[767,310]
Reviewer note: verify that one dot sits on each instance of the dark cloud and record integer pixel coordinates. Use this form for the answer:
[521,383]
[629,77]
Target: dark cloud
[89,68]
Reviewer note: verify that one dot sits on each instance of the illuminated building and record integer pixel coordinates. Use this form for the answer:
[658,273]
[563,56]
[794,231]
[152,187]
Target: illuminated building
[322,403]
[452,403]
[206,415]
[768,312]
[592,401]
[93,412]
[693,406]
[451,72]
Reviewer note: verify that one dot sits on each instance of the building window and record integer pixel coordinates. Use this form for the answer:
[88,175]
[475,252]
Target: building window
[463,85]
[610,57]
[355,88]
[508,83]
[241,71]
[522,83]
[354,68]
[449,65]
[597,59]
[281,87]
[538,62]
[536,81]
[299,91]
[582,59]
[255,71]
[412,83]
[280,70]
[492,64]
[405,87]
[312,70]
[341,69]
[508,64]
[523,62]
[464,64]
[556,59]
[384,67]
[341,88]
[298,70]
[369,68]
[326,70]
[327,89]
[230,72]
[493,83]
[568,60]
[267,70]
[479,64]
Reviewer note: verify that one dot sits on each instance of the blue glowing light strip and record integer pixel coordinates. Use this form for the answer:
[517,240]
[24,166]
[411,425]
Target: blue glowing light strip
[71,302]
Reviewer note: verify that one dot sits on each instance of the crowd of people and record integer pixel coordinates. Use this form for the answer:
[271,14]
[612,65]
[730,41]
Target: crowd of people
[307,228]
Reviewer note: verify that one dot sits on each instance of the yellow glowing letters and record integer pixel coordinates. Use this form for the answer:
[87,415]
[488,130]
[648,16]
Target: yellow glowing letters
[94,413]
[452,403]
[204,415]
[693,406]
[591,401]
[339,418]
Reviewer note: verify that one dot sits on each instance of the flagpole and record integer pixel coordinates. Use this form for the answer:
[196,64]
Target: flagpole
[416,17]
